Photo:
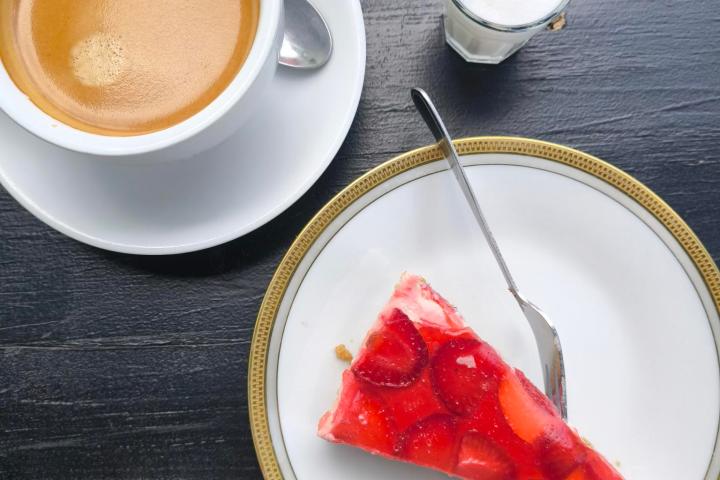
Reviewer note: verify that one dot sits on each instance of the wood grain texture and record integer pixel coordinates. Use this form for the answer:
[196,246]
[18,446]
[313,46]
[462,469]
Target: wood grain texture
[115,366]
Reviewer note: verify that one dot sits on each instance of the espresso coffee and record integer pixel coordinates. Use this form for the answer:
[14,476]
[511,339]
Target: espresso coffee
[125,67]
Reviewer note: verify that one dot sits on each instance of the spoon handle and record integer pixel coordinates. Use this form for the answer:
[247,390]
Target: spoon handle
[546,337]
[426,108]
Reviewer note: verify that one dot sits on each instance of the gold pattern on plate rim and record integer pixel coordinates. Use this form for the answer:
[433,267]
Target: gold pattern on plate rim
[402,163]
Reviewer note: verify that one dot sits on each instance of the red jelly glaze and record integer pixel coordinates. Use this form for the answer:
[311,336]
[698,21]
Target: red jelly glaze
[454,405]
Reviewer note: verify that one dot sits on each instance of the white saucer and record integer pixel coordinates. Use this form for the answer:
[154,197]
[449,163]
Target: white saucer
[224,193]
[633,294]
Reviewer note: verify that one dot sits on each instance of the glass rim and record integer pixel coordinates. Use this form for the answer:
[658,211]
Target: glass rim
[510,28]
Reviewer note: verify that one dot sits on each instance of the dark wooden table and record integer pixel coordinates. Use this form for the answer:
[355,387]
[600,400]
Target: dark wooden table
[116,366]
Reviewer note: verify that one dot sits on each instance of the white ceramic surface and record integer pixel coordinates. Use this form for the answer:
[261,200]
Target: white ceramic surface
[632,312]
[223,193]
[207,128]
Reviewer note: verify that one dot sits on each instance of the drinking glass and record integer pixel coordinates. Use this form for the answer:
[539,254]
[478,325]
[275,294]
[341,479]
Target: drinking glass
[480,40]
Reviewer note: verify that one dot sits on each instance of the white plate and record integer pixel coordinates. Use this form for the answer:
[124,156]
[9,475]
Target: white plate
[191,204]
[633,294]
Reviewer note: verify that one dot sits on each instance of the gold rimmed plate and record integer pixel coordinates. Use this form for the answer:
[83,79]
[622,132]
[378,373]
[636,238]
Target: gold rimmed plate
[633,293]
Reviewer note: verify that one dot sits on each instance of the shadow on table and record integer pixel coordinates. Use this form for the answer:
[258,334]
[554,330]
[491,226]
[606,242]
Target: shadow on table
[467,90]
[248,250]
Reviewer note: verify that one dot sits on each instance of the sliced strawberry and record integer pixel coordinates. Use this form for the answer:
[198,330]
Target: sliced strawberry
[364,422]
[527,418]
[393,356]
[413,402]
[482,459]
[594,467]
[560,451]
[430,442]
[463,371]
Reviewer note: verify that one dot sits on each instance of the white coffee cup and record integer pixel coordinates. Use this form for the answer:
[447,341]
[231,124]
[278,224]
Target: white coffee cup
[213,124]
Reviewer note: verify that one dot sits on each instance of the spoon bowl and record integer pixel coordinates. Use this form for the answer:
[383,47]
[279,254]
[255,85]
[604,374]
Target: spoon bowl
[307,43]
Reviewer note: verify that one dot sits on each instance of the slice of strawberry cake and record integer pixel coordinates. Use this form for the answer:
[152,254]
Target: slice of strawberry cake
[425,389]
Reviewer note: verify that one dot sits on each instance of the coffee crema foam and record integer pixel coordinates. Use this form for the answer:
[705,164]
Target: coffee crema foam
[125,67]
[98,60]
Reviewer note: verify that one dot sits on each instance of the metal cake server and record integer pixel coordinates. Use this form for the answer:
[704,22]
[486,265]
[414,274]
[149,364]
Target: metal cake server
[307,43]
[546,336]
